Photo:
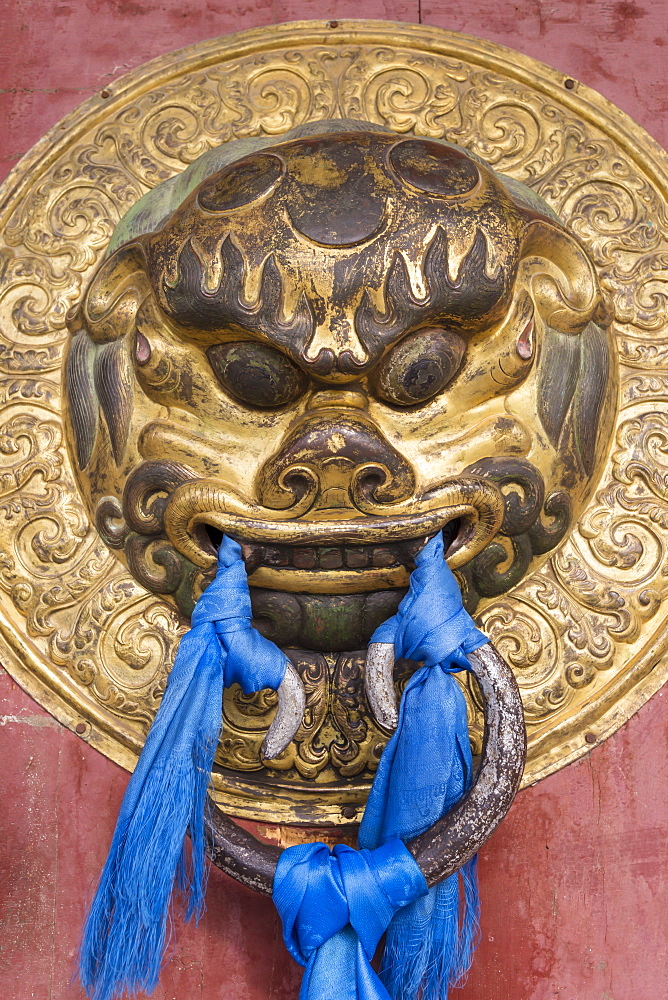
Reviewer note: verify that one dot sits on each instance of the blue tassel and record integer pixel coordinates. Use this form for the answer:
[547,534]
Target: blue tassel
[332,921]
[429,945]
[126,928]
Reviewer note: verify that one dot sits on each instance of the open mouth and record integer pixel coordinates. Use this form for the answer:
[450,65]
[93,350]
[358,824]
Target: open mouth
[326,569]
[370,548]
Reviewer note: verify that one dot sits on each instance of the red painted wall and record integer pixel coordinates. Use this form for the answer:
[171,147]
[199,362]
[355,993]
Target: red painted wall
[573,884]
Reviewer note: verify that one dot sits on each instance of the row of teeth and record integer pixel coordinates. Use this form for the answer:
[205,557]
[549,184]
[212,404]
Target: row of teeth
[330,558]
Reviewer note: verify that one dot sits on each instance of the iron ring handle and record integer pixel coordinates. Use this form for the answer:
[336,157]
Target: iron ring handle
[458,835]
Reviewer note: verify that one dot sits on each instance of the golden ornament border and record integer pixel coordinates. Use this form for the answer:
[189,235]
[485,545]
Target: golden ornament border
[585,608]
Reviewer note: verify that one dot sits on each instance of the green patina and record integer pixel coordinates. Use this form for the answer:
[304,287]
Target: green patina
[156,206]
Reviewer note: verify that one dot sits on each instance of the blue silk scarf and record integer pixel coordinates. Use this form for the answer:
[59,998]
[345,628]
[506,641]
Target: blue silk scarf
[125,931]
[335,906]
[425,769]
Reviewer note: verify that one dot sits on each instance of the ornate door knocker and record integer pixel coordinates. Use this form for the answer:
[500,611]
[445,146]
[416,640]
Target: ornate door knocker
[330,290]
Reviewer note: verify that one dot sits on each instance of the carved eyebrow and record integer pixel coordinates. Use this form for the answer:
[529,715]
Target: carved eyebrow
[478,290]
[189,300]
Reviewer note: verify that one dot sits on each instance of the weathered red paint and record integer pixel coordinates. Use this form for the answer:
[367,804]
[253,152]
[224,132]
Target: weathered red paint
[573,884]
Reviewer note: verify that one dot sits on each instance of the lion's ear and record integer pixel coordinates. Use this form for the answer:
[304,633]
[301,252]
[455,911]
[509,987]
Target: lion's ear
[81,396]
[561,277]
[115,294]
[98,374]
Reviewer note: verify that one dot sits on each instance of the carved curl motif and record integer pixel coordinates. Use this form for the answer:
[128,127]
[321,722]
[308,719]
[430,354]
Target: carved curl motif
[576,629]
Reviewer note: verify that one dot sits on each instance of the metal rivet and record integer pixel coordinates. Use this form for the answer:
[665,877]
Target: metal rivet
[80,728]
[349,812]
[333,24]
[569,84]
[590,738]
[105,94]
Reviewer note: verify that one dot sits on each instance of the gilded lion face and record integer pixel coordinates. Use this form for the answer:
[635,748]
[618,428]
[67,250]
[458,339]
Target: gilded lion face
[331,347]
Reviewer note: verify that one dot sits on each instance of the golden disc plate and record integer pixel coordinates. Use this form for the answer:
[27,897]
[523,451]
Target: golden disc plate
[586,632]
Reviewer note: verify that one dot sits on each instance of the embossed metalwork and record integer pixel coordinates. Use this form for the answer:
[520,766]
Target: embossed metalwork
[454,838]
[582,624]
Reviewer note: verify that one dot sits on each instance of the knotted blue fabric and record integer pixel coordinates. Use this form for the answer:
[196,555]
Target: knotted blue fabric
[126,927]
[424,771]
[335,907]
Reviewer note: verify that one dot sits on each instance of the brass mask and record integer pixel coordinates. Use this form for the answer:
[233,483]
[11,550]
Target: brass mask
[340,346]
[330,347]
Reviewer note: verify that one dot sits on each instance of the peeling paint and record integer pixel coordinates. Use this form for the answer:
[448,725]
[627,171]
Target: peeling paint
[35,721]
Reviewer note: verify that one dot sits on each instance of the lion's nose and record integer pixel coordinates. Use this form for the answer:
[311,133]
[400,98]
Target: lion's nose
[336,398]
[334,452]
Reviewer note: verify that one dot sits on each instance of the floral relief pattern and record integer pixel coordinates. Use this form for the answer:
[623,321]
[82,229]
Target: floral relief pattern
[581,621]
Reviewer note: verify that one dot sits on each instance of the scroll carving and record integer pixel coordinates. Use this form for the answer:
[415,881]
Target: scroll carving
[585,617]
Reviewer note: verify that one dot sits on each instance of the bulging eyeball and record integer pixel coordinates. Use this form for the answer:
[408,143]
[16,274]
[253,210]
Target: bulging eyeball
[419,367]
[256,374]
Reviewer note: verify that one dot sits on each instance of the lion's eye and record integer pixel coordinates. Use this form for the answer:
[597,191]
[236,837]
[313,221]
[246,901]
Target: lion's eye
[419,367]
[256,374]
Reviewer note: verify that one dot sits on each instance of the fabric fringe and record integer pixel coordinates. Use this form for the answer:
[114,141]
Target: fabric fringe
[430,944]
[149,864]
[128,923]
